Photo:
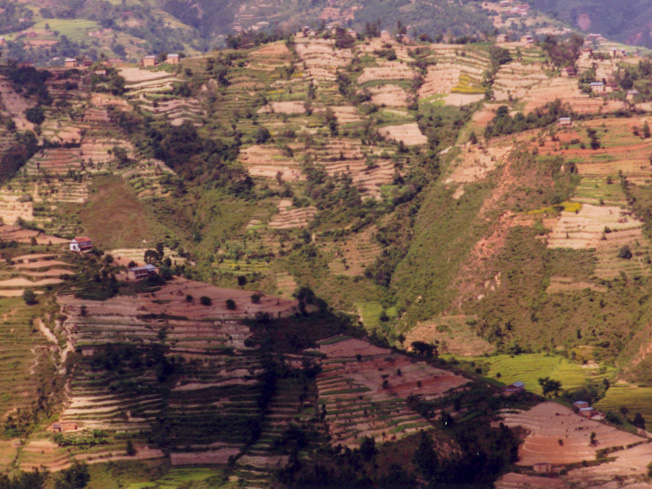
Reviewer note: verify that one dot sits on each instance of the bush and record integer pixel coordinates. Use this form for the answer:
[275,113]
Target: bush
[35,115]
[29,296]
[625,253]
[131,451]
[262,135]
[230,304]
[205,301]
[255,298]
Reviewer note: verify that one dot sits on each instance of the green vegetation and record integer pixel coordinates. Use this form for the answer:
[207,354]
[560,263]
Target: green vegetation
[503,123]
[530,367]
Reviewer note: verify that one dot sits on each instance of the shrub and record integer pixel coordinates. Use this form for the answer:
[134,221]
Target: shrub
[262,135]
[205,301]
[255,298]
[625,253]
[230,304]
[131,451]
[29,296]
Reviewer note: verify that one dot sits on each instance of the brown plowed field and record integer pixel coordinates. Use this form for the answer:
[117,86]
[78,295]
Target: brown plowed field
[549,422]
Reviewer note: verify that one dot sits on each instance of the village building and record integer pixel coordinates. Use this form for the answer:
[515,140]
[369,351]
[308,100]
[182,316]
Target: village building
[527,40]
[565,121]
[81,244]
[141,273]
[100,72]
[515,387]
[632,93]
[502,38]
[70,63]
[569,71]
[587,412]
[172,59]
[542,468]
[598,87]
[148,61]
[2,41]
[385,36]
[63,427]
[612,87]
[581,404]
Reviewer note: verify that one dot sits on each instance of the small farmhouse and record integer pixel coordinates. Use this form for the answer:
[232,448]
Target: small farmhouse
[542,468]
[148,61]
[598,87]
[172,59]
[581,404]
[587,412]
[141,273]
[81,244]
[70,63]
[515,387]
[526,40]
[565,121]
[63,427]
[632,93]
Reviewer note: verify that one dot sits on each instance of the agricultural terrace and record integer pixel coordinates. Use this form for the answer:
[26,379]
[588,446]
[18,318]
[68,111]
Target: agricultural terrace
[363,390]
[452,334]
[548,423]
[530,367]
[182,339]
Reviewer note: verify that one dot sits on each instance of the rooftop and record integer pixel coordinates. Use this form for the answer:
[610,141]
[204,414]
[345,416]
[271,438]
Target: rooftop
[145,268]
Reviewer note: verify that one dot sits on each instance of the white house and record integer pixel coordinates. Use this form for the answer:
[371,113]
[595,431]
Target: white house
[81,244]
[140,273]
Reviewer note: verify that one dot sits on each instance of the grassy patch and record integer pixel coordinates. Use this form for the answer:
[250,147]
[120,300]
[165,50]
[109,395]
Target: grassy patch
[528,368]
[371,313]
[113,216]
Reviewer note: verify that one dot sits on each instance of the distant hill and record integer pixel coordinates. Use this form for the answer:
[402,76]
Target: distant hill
[607,17]
[45,33]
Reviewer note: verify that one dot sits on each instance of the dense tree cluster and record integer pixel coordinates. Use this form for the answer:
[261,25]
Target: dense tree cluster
[565,52]
[503,123]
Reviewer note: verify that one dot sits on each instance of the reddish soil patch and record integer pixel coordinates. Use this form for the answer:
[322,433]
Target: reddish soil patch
[550,422]
[171,300]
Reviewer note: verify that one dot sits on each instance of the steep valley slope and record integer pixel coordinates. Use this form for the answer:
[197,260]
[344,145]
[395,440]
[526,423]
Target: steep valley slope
[360,243]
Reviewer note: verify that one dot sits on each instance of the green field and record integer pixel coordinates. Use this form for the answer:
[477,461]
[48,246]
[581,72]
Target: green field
[177,478]
[636,399]
[528,368]
[371,311]
[73,29]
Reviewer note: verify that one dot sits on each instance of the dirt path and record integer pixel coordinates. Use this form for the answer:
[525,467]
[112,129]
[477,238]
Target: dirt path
[46,331]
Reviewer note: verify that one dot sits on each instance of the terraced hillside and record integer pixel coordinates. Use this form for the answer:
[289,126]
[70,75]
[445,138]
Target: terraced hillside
[358,242]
